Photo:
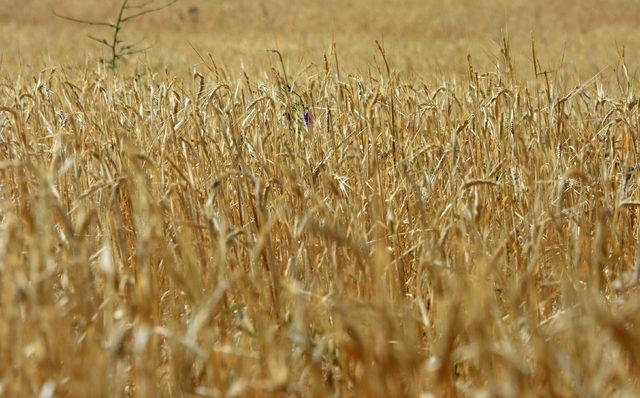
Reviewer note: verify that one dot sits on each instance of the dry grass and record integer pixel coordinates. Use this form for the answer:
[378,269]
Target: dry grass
[424,37]
[183,237]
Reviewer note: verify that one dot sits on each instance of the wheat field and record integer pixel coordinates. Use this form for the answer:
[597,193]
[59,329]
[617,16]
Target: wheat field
[337,199]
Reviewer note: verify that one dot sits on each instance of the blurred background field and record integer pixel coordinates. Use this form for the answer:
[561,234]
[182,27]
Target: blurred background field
[423,37]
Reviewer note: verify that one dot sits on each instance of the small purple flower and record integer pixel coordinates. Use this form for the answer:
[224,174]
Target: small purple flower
[306,119]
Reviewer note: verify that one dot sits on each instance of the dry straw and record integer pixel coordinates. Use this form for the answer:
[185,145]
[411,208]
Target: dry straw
[172,238]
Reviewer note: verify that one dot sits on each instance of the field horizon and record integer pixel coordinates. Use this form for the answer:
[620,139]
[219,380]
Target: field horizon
[423,38]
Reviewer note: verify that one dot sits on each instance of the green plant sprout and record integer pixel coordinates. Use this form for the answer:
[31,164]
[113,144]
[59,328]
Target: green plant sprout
[128,12]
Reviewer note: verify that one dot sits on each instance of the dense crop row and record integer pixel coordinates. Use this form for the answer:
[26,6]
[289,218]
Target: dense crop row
[318,234]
